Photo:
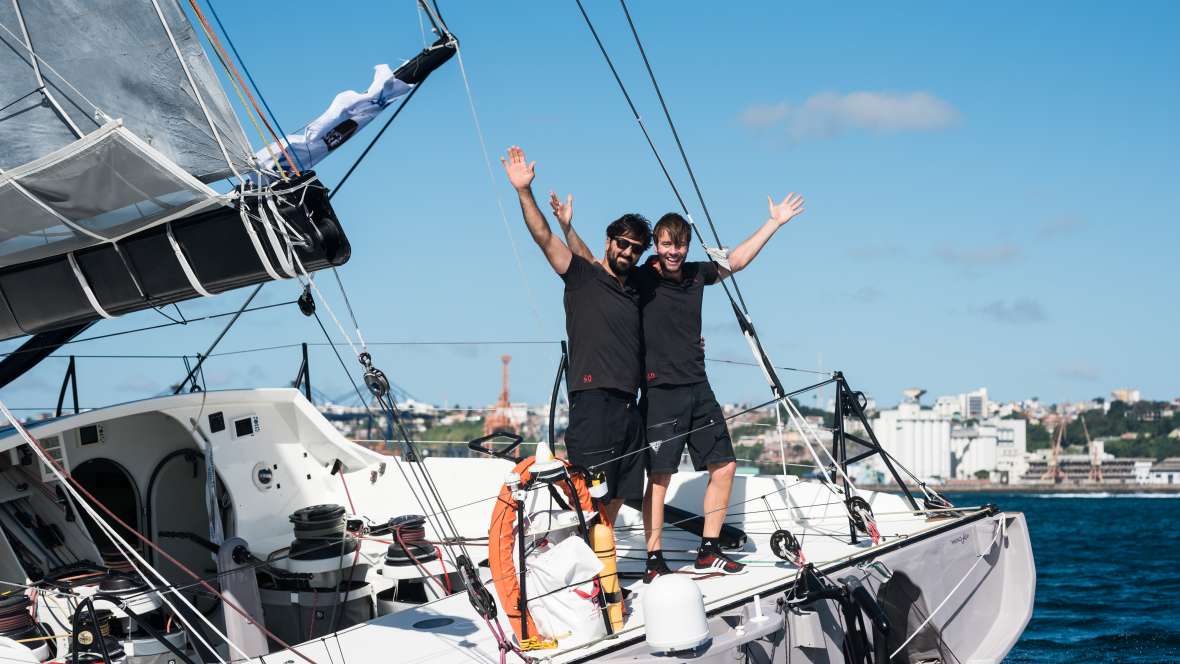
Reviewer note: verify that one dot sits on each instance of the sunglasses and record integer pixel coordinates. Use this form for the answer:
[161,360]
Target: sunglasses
[622,244]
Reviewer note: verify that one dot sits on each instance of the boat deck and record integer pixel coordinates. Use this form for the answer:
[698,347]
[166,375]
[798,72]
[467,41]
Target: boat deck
[449,629]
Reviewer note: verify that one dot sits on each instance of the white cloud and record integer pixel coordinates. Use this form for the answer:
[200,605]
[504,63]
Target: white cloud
[829,114]
[1020,311]
[979,256]
[1080,371]
[873,252]
[867,295]
[1060,227]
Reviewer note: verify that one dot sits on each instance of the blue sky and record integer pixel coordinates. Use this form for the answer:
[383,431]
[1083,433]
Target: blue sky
[991,195]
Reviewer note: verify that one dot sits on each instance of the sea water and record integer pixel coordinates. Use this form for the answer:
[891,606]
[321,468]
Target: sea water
[1108,576]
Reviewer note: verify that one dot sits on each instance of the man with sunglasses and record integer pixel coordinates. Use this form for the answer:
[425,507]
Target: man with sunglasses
[678,404]
[605,430]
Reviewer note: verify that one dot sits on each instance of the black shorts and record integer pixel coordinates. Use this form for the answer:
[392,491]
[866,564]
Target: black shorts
[670,411]
[606,433]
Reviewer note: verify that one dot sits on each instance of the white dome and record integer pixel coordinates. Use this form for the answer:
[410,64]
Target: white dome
[674,612]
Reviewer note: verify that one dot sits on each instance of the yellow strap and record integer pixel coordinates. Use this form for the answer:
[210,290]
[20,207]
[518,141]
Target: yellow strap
[537,643]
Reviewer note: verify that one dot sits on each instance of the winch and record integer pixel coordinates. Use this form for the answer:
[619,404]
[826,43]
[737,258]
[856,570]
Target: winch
[320,585]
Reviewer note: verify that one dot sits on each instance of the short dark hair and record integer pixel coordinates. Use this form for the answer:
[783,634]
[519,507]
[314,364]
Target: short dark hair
[631,224]
[676,227]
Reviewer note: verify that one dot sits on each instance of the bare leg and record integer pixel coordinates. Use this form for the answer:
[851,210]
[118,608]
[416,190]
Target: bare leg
[716,498]
[611,511]
[653,508]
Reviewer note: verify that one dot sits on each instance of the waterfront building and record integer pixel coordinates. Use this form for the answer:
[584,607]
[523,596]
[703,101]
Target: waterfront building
[1165,472]
[972,405]
[1125,394]
[1115,470]
[920,438]
[993,446]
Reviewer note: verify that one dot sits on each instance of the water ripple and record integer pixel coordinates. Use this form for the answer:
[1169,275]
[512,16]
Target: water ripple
[1108,577]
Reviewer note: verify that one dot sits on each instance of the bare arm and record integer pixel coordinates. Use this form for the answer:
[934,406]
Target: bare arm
[780,214]
[565,219]
[520,174]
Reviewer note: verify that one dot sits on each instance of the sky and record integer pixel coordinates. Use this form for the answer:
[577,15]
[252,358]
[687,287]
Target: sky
[991,195]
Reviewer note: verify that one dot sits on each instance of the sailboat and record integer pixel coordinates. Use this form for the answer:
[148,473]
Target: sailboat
[234,525]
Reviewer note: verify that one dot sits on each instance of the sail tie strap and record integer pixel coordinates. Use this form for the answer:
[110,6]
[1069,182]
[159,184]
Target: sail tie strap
[85,285]
[269,226]
[258,250]
[185,266]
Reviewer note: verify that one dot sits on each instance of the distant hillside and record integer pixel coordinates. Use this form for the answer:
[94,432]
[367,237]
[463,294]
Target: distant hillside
[1144,419]
[743,430]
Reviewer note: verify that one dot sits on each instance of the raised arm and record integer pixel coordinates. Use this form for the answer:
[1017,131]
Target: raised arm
[741,255]
[520,174]
[565,219]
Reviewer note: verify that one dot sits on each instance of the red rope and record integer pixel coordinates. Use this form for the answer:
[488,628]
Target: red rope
[315,594]
[346,492]
[401,541]
[230,65]
[443,564]
[204,584]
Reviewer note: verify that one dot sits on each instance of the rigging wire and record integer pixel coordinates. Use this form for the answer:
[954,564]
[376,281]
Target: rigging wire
[72,485]
[487,162]
[742,313]
[249,77]
[364,153]
[48,66]
[679,145]
[755,364]
[109,335]
[655,152]
[239,87]
[21,98]
[394,418]
[201,358]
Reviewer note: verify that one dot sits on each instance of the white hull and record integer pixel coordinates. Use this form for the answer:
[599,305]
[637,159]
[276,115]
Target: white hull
[975,567]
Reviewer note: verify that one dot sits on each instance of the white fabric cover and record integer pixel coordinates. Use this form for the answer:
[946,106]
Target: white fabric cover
[570,612]
[349,112]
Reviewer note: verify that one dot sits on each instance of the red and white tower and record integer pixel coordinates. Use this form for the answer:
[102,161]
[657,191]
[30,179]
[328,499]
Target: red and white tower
[500,419]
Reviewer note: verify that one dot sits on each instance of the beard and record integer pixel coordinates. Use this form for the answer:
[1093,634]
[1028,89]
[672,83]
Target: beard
[620,265]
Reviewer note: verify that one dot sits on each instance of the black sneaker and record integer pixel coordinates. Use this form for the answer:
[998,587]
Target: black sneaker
[712,561]
[657,570]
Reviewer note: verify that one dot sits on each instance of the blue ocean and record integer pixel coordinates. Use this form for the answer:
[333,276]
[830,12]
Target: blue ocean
[1108,576]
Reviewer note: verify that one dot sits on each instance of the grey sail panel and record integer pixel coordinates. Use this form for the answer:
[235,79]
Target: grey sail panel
[100,188]
[115,55]
[26,117]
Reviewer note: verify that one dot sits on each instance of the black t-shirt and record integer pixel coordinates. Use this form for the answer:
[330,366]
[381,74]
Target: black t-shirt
[602,323]
[671,313]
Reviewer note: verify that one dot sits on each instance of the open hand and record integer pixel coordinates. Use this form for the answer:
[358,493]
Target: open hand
[563,212]
[520,172]
[783,212]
